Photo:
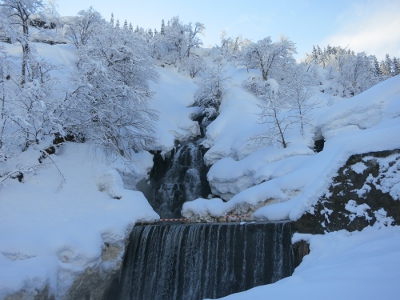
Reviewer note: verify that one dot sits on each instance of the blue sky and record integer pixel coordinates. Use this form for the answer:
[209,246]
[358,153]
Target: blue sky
[363,25]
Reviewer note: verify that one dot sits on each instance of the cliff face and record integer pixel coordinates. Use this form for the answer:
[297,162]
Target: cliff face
[366,190]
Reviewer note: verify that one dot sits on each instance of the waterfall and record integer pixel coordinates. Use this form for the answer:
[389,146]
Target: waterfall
[182,178]
[200,261]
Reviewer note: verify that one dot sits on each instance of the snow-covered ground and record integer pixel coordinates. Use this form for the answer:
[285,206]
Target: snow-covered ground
[281,184]
[341,265]
[58,222]
[67,211]
[70,208]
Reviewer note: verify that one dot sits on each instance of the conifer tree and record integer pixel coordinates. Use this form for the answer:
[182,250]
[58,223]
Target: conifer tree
[388,65]
[112,19]
[396,66]
[117,24]
[162,31]
[126,25]
[377,69]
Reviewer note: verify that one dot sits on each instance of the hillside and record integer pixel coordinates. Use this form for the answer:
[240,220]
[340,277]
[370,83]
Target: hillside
[74,211]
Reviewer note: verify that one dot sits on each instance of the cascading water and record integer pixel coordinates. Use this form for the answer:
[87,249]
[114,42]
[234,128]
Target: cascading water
[199,261]
[183,178]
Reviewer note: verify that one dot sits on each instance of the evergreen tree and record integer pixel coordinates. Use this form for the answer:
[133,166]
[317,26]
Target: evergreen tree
[112,20]
[396,66]
[388,65]
[130,27]
[329,50]
[377,69]
[162,31]
[382,67]
[126,25]
[117,24]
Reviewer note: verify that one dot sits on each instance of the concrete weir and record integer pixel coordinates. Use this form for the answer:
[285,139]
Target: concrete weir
[197,261]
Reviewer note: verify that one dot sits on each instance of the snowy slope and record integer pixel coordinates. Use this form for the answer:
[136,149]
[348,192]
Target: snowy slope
[70,209]
[291,180]
[341,265]
[172,98]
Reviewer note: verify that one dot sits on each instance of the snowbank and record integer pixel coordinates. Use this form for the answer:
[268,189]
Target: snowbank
[341,265]
[64,218]
[291,180]
[172,98]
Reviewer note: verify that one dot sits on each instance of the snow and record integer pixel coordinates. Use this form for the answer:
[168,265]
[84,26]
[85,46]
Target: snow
[357,210]
[172,98]
[51,229]
[341,265]
[251,184]
[56,223]
[359,167]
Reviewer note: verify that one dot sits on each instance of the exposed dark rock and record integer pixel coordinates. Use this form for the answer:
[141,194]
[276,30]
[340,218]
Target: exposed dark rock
[319,145]
[357,184]
[300,249]
[70,137]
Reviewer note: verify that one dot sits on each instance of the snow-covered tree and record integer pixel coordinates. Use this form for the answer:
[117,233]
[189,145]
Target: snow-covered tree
[273,112]
[194,64]
[82,27]
[269,57]
[387,69]
[297,92]
[51,8]
[15,24]
[377,69]
[112,20]
[396,66]
[5,71]
[211,90]
[176,40]
[193,40]
[232,47]
[109,102]
[162,30]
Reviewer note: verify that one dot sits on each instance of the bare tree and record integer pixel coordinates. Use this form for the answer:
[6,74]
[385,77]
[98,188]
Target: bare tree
[83,27]
[297,91]
[211,90]
[5,71]
[14,21]
[273,111]
[269,57]
[110,95]
[194,64]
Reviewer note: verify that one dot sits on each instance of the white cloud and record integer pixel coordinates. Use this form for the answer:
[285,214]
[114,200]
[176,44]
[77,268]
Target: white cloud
[372,27]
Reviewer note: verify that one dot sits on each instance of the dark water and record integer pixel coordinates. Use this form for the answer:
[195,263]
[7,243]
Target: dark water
[175,180]
[202,260]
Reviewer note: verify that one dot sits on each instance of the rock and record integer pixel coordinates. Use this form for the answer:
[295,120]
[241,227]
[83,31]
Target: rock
[365,191]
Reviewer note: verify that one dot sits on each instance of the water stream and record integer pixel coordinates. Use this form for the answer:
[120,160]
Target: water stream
[176,179]
[198,261]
